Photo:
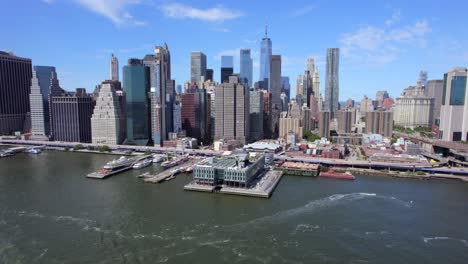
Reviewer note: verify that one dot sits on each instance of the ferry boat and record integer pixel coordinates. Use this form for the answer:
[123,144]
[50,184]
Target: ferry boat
[337,175]
[144,175]
[142,164]
[112,167]
[5,154]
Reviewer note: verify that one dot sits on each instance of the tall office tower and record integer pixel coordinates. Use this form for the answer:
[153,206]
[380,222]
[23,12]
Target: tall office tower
[106,122]
[324,124]
[314,108]
[246,67]
[232,105]
[54,91]
[435,89]
[197,66]
[227,68]
[350,103]
[345,121]
[286,86]
[307,118]
[422,78]
[454,110]
[190,114]
[256,115]
[332,82]
[299,89]
[267,133]
[15,87]
[179,89]
[366,105]
[136,79]
[414,108]
[284,102]
[380,96]
[275,90]
[162,94]
[310,66]
[71,114]
[290,122]
[212,116]
[379,122]
[114,68]
[307,87]
[209,75]
[177,116]
[265,58]
[316,88]
[39,101]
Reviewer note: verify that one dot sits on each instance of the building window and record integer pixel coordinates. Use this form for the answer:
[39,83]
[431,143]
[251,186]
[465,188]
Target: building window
[457,136]
[458,89]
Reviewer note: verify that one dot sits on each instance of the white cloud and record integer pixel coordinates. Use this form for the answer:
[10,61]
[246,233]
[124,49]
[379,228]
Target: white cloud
[376,45]
[219,13]
[396,17]
[115,10]
[303,10]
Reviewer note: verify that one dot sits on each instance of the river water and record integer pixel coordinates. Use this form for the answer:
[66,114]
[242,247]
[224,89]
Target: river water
[50,213]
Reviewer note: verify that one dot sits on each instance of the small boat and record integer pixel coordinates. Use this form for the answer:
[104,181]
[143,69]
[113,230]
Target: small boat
[34,151]
[158,159]
[337,175]
[144,175]
[189,169]
[142,164]
[170,178]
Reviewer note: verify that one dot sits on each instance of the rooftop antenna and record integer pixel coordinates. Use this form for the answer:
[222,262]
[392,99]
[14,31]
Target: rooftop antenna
[266,30]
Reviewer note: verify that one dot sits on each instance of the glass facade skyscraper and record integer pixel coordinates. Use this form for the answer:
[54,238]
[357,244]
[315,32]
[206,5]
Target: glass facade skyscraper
[265,55]
[227,68]
[136,79]
[197,66]
[246,65]
[332,81]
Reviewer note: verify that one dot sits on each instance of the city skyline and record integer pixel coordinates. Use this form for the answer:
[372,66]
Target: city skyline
[391,41]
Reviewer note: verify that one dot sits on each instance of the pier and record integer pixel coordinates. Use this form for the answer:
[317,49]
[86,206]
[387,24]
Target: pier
[162,176]
[100,176]
[263,186]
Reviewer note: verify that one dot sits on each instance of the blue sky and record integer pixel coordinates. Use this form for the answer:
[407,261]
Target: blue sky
[384,44]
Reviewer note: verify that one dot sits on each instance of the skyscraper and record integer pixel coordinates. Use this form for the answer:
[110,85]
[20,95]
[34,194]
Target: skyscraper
[15,87]
[232,105]
[379,122]
[265,56]
[275,90]
[197,66]
[114,68]
[106,121]
[72,113]
[332,82]
[435,89]
[256,115]
[54,91]
[423,78]
[246,67]
[454,111]
[209,75]
[227,68]
[39,101]
[136,79]
[286,86]
[162,94]
[316,88]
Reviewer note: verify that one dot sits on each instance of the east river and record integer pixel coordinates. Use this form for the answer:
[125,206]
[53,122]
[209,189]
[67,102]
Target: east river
[50,213]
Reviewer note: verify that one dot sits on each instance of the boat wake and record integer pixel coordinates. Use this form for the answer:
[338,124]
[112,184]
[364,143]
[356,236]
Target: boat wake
[330,201]
[428,240]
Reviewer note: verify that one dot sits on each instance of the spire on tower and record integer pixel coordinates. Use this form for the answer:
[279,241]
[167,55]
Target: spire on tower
[266,30]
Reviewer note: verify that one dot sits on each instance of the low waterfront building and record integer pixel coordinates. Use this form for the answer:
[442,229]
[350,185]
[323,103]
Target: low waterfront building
[263,147]
[237,170]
